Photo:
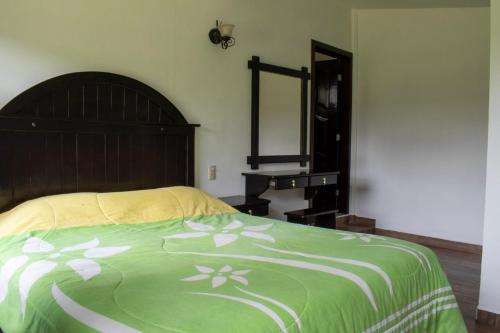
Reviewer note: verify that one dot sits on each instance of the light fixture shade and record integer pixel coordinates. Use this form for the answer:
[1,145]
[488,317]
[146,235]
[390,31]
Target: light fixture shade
[226,30]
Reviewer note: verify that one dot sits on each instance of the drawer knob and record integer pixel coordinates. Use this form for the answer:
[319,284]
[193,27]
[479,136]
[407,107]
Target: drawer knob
[293,183]
[250,212]
[324,180]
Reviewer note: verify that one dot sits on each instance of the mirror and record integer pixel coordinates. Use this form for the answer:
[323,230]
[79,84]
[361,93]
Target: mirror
[279,114]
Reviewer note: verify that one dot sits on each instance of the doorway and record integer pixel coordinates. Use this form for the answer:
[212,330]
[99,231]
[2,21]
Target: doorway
[330,132]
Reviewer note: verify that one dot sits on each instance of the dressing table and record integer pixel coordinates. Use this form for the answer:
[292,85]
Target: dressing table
[257,183]
[279,135]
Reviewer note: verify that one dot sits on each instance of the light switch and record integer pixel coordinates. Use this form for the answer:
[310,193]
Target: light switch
[212,172]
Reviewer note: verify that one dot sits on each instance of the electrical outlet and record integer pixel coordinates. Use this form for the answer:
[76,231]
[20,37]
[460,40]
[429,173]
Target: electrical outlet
[212,172]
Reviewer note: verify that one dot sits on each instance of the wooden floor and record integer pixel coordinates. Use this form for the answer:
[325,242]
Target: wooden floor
[463,270]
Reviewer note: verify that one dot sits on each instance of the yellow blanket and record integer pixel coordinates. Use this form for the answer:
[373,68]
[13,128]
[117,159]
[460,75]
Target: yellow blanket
[89,209]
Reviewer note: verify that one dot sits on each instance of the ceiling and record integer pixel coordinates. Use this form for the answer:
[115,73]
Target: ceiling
[374,4]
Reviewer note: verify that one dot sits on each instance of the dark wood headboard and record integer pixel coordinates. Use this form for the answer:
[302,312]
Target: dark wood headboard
[91,132]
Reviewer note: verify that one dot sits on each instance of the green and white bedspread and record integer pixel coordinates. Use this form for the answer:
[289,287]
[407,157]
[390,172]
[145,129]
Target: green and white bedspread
[207,269]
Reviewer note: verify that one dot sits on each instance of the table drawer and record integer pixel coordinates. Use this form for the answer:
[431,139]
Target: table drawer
[323,180]
[256,210]
[291,183]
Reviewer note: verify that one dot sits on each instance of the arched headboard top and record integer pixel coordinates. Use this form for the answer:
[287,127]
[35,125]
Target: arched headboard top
[94,96]
[91,132]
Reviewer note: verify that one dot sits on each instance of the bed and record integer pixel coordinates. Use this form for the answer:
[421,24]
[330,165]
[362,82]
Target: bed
[87,246]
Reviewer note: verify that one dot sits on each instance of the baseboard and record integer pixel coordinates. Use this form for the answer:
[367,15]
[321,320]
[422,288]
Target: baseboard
[433,242]
[488,318]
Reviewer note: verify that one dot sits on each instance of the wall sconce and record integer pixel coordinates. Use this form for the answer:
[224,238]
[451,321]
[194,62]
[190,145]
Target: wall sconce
[221,34]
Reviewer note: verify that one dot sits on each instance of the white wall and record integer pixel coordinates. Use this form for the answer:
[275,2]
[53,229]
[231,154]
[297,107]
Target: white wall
[164,43]
[419,145]
[489,299]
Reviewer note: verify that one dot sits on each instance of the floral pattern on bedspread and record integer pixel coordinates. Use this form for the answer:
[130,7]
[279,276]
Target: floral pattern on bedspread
[220,273]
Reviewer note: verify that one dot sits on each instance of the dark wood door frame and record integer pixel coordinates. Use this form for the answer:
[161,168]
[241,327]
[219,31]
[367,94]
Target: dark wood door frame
[347,61]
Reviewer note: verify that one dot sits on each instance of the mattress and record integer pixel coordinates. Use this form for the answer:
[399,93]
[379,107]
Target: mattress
[178,260]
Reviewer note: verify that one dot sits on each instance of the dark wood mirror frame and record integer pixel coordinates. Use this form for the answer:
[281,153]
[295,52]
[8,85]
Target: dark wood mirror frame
[255,159]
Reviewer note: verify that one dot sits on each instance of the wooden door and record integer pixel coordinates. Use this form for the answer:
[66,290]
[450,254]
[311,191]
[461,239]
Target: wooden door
[331,123]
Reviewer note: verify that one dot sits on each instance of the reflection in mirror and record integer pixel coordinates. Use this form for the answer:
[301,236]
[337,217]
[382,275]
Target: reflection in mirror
[279,123]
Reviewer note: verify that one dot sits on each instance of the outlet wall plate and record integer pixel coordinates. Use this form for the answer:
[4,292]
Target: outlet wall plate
[212,172]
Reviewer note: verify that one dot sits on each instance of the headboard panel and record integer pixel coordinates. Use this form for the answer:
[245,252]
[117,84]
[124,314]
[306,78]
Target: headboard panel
[91,132]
